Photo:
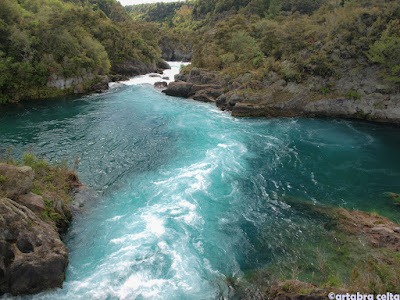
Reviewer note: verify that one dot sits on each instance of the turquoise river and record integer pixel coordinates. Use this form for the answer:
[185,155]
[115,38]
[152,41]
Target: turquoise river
[186,195]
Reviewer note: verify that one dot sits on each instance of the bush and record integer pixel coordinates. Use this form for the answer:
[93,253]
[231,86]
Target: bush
[351,94]
[243,45]
[290,73]
[386,52]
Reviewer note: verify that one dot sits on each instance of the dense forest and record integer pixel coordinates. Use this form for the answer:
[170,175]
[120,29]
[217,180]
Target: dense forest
[160,12]
[45,41]
[294,38]
[42,41]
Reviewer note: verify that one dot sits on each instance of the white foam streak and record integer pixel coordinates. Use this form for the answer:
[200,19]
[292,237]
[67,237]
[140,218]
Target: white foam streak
[167,76]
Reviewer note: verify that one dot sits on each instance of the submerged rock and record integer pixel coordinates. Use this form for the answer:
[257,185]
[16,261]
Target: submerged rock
[32,256]
[160,85]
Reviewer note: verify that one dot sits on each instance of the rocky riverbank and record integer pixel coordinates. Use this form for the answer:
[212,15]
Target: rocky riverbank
[358,94]
[89,82]
[368,243]
[35,207]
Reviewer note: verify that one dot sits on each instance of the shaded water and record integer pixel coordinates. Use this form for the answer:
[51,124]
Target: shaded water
[189,195]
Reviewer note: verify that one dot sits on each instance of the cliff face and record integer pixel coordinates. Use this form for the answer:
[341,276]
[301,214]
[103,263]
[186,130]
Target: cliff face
[87,82]
[358,94]
[32,256]
[172,49]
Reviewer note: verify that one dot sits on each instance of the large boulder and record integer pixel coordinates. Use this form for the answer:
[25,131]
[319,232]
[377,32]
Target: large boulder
[162,64]
[133,67]
[15,181]
[32,256]
[179,89]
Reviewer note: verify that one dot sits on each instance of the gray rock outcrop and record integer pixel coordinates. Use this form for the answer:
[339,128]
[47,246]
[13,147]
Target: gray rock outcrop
[197,84]
[358,94]
[32,256]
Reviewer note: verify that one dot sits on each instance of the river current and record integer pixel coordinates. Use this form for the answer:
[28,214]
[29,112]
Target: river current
[187,195]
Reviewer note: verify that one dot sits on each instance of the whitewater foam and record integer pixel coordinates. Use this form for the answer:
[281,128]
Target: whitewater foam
[167,76]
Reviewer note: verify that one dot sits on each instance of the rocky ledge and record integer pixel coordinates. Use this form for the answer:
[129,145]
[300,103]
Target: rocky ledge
[197,85]
[358,94]
[32,256]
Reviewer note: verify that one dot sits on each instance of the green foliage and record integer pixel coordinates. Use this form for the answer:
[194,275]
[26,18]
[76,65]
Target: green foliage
[353,95]
[290,73]
[260,7]
[243,45]
[43,38]
[333,281]
[3,178]
[258,61]
[305,38]
[38,165]
[386,51]
[49,211]
[325,90]
[159,12]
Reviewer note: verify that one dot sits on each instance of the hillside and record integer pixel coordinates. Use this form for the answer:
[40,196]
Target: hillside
[288,58]
[52,48]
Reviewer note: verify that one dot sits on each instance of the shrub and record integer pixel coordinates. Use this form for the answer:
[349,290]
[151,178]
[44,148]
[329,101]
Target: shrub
[386,52]
[351,94]
[290,73]
[258,61]
[227,59]
[3,178]
[325,90]
[243,45]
